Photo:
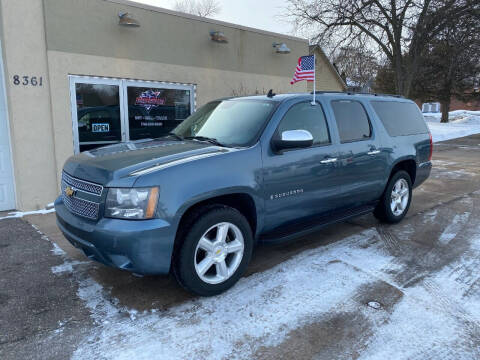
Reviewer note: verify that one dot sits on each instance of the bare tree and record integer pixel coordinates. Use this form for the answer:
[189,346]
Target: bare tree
[203,8]
[451,64]
[242,90]
[396,29]
[357,65]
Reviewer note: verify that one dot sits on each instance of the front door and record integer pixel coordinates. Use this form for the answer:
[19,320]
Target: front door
[98,121]
[7,192]
[300,183]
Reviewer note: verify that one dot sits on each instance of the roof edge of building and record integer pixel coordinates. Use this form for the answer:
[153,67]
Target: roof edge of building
[317,47]
[204,19]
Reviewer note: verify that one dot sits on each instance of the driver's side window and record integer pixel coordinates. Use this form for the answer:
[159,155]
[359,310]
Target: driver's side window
[305,116]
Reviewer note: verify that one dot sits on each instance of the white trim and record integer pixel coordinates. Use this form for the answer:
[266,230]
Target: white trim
[97,142]
[204,19]
[7,120]
[123,100]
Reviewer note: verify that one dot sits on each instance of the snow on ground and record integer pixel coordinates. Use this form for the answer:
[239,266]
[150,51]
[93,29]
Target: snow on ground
[461,123]
[262,307]
[432,319]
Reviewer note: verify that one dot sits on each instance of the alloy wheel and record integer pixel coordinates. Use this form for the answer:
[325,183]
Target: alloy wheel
[219,253]
[400,197]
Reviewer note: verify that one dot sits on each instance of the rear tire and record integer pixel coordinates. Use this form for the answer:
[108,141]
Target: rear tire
[215,250]
[396,199]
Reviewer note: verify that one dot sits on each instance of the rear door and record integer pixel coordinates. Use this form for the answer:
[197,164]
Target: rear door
[362,160]
[300,183]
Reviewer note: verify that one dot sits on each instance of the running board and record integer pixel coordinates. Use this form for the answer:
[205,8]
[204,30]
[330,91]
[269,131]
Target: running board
[303,228]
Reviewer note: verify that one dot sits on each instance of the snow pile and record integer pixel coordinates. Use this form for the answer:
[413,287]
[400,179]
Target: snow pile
[462,123]
[19,214]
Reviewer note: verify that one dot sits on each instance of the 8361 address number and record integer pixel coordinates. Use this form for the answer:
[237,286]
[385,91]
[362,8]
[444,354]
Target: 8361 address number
[28,80]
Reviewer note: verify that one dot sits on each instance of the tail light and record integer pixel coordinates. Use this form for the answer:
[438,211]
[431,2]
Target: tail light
[431,147]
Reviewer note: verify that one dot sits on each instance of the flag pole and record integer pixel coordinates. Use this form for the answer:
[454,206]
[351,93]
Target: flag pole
[314,79]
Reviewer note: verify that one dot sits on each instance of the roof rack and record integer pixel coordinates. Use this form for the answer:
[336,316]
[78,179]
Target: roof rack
[357,93]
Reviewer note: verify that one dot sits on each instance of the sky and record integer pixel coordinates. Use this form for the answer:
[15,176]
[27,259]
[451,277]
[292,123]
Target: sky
[260,14]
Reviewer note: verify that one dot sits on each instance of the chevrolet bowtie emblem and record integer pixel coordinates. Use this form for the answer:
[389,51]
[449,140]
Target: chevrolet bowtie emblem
[69,191]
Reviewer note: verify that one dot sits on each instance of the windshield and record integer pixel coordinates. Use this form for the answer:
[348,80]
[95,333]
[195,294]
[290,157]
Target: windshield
[233,123]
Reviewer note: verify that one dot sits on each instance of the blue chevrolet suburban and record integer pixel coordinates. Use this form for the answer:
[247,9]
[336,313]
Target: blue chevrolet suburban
[241,171]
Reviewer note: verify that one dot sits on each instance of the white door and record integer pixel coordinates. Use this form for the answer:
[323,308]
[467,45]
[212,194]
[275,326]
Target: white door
[7,191]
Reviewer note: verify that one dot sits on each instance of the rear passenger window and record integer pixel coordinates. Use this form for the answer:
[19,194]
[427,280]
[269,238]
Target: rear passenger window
[304,116]
[400,118]
[352,120]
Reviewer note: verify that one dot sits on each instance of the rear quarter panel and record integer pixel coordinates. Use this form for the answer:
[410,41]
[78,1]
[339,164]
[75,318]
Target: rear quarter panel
[407,147]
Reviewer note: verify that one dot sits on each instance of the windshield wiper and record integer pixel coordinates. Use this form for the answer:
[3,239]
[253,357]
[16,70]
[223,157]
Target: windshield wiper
[207,139]
[178,137]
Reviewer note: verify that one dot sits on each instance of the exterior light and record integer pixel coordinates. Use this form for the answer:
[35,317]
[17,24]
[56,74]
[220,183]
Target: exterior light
[282,48]
[125,19]
[219,37]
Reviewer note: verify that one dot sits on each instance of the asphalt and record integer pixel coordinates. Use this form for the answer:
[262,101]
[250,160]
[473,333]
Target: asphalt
[42,315]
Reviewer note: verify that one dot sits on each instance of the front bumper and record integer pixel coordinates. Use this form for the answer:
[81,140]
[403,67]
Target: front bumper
[140,246]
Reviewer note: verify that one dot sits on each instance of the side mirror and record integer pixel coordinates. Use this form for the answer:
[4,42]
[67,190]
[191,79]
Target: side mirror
[293,139]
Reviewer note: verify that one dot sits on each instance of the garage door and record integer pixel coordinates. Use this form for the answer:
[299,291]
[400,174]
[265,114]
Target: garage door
[7,197]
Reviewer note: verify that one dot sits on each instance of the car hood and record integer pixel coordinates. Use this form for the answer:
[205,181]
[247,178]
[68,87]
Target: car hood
[131,158]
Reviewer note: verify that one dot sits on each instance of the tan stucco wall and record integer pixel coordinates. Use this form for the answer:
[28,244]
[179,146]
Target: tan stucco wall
[91,27]
[58,38]
[29,106]
[327,79]
[211,84]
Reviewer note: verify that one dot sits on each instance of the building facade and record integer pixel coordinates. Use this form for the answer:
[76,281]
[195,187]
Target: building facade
[72,78]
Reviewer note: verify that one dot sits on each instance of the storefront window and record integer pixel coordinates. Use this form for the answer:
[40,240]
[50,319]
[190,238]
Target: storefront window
[107,111]
[153,112]
[98,114]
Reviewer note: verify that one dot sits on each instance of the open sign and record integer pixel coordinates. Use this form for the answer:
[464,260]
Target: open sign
[100,128]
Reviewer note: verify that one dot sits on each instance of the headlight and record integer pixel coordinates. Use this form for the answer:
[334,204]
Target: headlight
[131,203]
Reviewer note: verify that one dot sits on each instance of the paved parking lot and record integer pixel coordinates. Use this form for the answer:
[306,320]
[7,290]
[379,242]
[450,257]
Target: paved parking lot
[354,290]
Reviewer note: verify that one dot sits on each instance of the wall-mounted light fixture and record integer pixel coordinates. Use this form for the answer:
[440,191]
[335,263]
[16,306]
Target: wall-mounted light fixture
[125,19]
[282,48]
[219,37]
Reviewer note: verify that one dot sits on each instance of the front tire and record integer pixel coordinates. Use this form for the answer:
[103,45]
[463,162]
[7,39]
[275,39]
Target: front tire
[396,199]
[214,252]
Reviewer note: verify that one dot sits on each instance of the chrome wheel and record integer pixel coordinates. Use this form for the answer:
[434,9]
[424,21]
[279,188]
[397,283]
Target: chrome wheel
[219,253]
[400,197]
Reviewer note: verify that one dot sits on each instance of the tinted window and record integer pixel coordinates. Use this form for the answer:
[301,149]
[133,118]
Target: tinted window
[98,114]
[231,122]
[153,112]
[400,118]
[304,116]
[352,120]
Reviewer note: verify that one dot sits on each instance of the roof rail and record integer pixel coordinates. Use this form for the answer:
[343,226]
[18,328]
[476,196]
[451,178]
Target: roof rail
[330,92]
[377,94]
[357,93]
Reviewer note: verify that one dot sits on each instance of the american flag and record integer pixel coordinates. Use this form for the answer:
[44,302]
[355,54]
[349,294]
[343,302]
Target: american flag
[305,69]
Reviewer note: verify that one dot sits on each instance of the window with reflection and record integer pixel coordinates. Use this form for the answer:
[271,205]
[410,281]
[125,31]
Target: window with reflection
[154,112]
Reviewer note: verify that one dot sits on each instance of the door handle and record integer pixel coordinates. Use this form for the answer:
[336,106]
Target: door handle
[329,161]
[373,152]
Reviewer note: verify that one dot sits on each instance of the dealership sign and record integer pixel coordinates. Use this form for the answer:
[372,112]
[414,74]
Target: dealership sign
[150,99]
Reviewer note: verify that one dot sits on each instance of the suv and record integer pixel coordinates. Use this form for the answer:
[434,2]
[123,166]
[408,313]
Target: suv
[239,171]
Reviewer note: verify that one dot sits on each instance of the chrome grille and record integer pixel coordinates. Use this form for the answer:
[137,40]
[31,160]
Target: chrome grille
[82,184]
[78,206]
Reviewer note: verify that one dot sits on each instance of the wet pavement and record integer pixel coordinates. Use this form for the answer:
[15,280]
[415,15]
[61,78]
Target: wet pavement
[358,289]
